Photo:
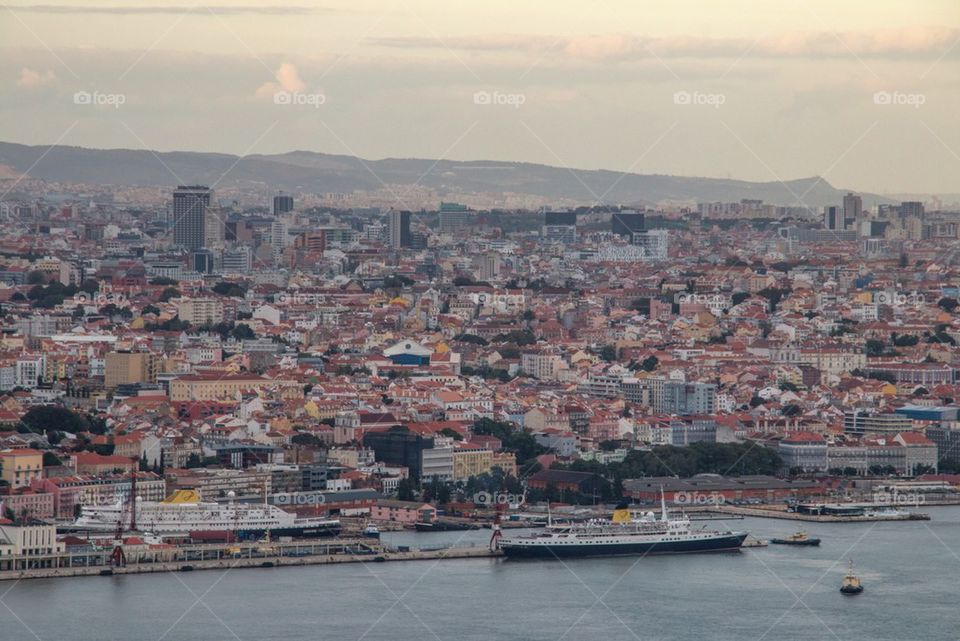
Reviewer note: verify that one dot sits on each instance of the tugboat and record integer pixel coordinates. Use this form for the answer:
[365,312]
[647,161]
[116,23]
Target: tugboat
[800,538]
[851,582]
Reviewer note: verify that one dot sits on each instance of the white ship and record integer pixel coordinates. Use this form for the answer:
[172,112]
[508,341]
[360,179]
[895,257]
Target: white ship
[624,534]
[184,512]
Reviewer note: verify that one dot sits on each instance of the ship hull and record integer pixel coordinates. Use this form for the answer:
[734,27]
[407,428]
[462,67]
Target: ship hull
[726,543]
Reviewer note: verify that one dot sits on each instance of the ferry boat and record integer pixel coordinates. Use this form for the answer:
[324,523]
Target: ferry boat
[623,534]
[851,582]
[184,512]
[799,538]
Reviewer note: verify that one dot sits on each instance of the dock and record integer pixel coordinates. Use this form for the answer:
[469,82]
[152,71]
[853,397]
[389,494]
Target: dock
[783,514]
[187,558]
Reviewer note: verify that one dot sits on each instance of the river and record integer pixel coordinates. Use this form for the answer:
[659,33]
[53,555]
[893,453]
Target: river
[773,593]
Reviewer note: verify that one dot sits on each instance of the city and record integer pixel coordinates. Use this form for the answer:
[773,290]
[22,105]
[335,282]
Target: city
[241,394]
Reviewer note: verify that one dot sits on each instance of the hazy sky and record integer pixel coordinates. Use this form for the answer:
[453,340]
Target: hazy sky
[865,93]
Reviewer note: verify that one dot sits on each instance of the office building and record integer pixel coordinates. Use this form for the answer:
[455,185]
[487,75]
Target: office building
[282,204]
[398,229]
[190,205]
[688,398]
[237,260]
[655,243]
[911,209]
[626,223]
[832,218]
[559,227]
[852,210]
[454,217]
[129,368]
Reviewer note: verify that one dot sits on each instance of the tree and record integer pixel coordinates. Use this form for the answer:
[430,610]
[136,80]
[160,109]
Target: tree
[406,490]
[650,363]
[306,439]
[875,347]
[242,332]
[36,277]
[947,304]
[608,353]
[233,290]
[739,297]
[51,460]
[168,293]
[44,418]
[520,442]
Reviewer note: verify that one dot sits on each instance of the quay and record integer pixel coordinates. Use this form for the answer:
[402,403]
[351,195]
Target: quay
[186,558]
[783,514]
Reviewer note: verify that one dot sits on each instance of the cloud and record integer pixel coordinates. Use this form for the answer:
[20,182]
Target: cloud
[287,79]
[273,10]
[30,78]
[919,42]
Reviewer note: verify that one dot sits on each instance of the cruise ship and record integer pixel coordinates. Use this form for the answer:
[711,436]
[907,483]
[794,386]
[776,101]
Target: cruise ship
[623,534]
[184,512]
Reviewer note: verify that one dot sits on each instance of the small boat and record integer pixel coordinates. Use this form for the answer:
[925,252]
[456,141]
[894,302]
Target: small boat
[799,538]
[371,531]
[851,582]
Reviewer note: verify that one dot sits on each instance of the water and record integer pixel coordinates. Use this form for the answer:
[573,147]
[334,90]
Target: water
[761,594]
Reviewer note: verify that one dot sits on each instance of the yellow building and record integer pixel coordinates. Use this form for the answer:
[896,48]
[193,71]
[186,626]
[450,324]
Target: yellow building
[126,368]
[469,462]
[226,388]
[199,311]
[19,467]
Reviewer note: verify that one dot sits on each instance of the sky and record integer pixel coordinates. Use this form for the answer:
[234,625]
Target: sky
[862,93]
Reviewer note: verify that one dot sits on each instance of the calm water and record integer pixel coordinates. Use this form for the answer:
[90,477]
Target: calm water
[909,570]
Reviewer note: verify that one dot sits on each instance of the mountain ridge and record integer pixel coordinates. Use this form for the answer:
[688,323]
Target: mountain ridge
[317,172]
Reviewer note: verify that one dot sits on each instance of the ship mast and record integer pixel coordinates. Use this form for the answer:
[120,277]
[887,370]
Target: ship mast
[663,506]
[133,495]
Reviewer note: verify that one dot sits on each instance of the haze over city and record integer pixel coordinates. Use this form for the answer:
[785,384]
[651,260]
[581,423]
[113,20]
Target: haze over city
[793,86]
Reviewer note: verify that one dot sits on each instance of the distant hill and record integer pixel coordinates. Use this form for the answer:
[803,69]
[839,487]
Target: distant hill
[317,173]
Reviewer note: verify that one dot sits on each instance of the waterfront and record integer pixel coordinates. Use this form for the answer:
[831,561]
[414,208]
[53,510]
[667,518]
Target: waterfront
[906,567]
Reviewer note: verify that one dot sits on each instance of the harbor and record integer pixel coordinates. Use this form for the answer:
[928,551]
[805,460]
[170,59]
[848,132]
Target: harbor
[142,559]
[902,565]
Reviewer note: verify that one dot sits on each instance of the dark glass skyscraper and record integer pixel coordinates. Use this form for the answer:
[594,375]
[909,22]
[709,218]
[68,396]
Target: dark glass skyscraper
[190,205]
[282,204]
[624,223]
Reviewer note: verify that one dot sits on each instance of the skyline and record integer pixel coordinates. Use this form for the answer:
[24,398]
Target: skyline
[688,90]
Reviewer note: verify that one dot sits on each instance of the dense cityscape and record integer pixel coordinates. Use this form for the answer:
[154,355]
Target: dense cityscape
[432,321]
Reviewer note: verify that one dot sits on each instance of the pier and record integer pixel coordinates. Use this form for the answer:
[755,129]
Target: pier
[186,558]
[783,514]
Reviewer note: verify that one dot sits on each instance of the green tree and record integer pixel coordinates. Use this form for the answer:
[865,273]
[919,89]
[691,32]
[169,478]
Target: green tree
[406,490]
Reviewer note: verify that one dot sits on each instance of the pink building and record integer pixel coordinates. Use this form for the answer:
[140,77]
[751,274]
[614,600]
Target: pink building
[403,511]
